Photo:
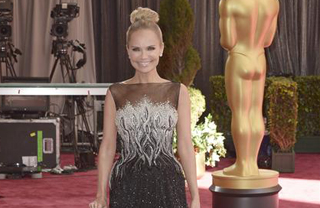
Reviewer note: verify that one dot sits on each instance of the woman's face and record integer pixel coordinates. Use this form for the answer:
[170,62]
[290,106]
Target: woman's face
[144,49]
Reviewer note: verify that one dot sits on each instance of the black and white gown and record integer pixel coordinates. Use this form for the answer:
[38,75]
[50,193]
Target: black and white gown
[147,174]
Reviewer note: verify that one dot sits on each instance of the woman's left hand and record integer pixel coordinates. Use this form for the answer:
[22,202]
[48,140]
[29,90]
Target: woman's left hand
[195,203]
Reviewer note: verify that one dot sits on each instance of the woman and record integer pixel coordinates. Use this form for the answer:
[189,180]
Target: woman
[144,111]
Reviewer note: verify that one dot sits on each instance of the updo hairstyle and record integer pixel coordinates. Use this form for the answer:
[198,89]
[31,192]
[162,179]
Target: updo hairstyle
[144,18]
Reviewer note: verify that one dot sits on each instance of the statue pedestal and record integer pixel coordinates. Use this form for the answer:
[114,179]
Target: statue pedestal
[245,192]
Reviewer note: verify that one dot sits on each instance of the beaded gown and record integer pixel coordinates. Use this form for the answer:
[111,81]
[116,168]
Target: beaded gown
[147,174]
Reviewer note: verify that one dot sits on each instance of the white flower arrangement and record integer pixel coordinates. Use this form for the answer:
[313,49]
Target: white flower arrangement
[206,139]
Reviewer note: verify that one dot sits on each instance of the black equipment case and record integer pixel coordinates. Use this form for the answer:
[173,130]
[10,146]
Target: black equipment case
[32,142]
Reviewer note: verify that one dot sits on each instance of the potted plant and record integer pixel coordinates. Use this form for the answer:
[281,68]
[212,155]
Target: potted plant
[282,122]
[208,145]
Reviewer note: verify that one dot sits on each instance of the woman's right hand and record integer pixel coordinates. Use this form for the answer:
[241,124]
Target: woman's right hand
[99,203]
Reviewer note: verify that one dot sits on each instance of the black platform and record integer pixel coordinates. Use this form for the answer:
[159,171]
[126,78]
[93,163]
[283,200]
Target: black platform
[245,198]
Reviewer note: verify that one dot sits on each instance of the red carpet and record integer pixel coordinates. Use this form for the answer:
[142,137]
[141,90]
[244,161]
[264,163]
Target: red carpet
[299,190]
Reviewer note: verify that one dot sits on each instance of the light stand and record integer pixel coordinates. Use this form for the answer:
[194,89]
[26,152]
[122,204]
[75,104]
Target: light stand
[6,58]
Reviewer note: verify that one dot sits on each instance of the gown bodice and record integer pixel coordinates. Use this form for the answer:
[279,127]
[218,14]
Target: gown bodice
[146,116]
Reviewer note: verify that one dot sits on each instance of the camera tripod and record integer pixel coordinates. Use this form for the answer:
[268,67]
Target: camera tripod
[7,53]
[76,105]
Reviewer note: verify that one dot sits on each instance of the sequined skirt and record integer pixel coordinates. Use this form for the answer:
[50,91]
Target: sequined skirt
[149,188]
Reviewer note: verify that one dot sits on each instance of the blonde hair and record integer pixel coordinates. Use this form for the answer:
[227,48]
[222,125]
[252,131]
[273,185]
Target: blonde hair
[144,18]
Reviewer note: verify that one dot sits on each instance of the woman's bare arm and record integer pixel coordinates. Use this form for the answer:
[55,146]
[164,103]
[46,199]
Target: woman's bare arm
[107,151]
[185,146]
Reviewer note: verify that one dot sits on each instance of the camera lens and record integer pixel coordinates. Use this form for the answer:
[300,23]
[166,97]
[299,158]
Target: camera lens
[60,30]
[5,31]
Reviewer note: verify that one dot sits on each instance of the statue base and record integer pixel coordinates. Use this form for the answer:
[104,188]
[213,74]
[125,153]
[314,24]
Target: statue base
[265,179]
[245,192]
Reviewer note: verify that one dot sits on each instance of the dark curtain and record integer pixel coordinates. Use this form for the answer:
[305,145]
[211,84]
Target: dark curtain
[295,49]
[206,40]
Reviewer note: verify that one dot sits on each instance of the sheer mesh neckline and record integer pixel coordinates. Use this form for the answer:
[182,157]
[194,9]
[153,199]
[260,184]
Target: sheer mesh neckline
[157,92]
[141,83]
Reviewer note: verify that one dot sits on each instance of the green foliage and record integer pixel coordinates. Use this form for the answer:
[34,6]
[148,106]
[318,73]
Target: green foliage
[219,104]
[282,112]
[198,105]
[180,61]
[308,106]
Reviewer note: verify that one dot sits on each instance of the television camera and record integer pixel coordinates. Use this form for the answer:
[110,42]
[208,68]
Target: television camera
[62,14]
[6,16]
[7,49]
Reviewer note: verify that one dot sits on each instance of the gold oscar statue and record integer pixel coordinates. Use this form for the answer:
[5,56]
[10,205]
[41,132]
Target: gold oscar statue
[247,27]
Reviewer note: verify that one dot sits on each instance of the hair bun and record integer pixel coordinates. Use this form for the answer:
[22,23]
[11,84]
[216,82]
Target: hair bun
[145,14]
